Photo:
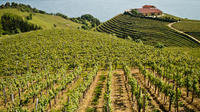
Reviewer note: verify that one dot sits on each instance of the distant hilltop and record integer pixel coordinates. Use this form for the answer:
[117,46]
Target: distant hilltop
[146,10]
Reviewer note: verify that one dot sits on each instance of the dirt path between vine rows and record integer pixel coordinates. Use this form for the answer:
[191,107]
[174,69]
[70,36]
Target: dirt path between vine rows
[100,105]
[119,94]
[87,99]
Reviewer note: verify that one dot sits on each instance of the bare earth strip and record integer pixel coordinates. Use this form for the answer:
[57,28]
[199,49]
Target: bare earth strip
[100,106]
[86,101]
[120,98]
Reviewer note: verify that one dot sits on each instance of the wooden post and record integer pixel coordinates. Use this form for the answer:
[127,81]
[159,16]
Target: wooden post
[144,102]
[36,105]
[50,104]
[177,100]
[12,98]
[4,94]
[55,99]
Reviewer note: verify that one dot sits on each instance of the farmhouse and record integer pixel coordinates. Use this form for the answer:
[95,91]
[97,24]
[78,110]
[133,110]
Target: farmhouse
[149,10]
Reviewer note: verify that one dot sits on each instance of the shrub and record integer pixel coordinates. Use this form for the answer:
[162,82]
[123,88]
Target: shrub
[12,24]
[87,20]
[29,17]
[1,30]
[159,45]
[61,15]
[138,41]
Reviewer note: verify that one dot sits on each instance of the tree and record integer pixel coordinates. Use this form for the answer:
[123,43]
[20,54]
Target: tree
[12,24]
[87,20]
[160,45]
[1,30]
[7,4]
[61,15]
[29,17]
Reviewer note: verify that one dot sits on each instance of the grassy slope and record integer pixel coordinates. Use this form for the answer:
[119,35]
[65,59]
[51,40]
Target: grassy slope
[44,20]
[191,27]
[172,16]
[150,31]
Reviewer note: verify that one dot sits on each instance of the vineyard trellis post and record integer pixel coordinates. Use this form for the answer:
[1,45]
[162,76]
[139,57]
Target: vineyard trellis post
[4,94]
[36,105]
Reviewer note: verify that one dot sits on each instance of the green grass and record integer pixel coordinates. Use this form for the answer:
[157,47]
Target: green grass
[172,16]
[43,20]
[149,31]
[191,27]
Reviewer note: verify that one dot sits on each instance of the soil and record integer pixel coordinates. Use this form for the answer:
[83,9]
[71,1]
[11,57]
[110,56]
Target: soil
[119,94]
[100,106]
[87,99]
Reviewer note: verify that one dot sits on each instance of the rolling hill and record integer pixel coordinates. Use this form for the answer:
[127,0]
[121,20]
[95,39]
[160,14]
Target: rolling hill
[191,27]
[44,20]
[150,31]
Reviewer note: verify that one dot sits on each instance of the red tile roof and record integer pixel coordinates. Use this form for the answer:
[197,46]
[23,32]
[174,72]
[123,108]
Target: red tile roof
[149,10]
[149,6]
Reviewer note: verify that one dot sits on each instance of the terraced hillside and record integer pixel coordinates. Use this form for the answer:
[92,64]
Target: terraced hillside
[191,27]
[149,31]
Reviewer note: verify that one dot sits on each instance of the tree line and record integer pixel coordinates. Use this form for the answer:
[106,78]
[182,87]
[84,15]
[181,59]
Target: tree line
[21,7]
[87,20]
[13,24]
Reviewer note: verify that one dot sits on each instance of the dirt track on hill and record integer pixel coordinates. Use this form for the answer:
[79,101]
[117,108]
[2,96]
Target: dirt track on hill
[193,38]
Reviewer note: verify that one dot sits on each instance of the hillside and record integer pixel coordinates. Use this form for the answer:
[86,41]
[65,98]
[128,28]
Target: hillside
[191,27]
[70,69]
[44,20]
[150,31]
[63,68]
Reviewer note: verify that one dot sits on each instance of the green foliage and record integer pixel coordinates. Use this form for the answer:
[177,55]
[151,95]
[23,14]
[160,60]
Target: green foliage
[87,20]
[1,29]
[94,21]
[37,60]
[29,17]
[85,27]
[159,45]
[61,15]
[148,30]
[21,7]
[13,24]
[135,13]
[91,109]
[98,90]
[191,27]
[29,9]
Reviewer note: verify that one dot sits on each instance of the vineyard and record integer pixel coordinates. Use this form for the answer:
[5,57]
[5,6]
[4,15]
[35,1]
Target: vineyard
[149,31]
[191,27]
[74,70]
